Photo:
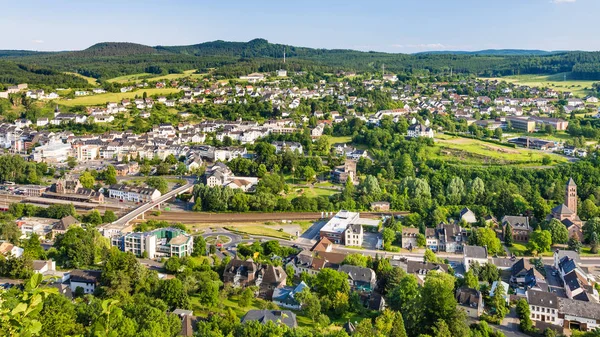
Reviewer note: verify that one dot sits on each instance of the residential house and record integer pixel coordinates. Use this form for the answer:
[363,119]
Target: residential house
[285,317]
[286,297]
[420,269]
[380,206]
[409,237]
[64,224]
[7,248]
[472,254]
[419,130]
[341,174]
[240,273]
[519,225]
[543,306]
[470,301]
[361,279]
[467,216]
[87,280]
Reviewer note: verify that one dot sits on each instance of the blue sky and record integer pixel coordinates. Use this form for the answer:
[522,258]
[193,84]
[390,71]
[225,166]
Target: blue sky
[399,26]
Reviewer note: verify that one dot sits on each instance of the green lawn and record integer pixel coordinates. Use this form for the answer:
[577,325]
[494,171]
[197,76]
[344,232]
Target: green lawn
[232,303]
[556,82]
[114,97]
[311,192]
[150,77]
[90,80]
[130,78]
[472,151]
[259,230]
[340,139]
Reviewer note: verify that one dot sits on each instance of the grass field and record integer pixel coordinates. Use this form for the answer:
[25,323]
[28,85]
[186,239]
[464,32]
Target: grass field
[233,304]
[473,151]
[259,230]
[340,139]
[556,82]
[114,97]
[90,80]
[310,192]
[150,77]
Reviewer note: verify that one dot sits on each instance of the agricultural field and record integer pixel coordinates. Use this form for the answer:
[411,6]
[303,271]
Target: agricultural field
[90,80]
[476,152]
[311,192]
[558,82]
[114,97]
[150,77]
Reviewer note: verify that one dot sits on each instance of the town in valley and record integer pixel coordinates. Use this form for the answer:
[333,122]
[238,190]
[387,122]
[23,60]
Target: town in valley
[264,189]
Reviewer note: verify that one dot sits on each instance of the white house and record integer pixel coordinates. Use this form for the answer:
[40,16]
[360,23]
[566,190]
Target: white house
[472,254]
[84,279]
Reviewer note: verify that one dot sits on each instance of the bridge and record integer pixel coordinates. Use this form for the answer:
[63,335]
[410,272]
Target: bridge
[123,223]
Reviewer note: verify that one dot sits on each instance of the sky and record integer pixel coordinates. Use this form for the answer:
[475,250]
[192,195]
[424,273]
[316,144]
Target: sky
[396,26]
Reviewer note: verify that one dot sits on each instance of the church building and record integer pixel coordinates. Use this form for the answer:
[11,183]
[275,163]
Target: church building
[567,212]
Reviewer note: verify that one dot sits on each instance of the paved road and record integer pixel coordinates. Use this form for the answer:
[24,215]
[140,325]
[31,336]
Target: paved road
[124,220]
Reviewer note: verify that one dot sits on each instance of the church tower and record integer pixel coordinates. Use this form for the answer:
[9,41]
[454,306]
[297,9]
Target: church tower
[571,195]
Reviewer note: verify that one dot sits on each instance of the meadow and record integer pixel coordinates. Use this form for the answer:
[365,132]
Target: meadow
[137,78]
[476,152]
[558,82]
[102,99]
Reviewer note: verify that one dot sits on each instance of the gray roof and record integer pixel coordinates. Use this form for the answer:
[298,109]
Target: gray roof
[542,299]
[516,222]
[571,182]
[579,308]
[568,253]
[476,252]
[358,273]
[263,316]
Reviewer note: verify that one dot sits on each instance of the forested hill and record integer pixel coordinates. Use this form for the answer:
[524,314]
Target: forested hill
[111,59]
[494,52]
[116,49]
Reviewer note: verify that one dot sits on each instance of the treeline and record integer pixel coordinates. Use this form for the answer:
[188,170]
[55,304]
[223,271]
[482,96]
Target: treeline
[12,74]
[232,59]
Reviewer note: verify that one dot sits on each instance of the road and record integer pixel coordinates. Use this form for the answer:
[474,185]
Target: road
[124,220]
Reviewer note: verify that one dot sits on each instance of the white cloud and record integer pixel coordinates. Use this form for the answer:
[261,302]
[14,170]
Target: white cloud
[37,41]
[562,1]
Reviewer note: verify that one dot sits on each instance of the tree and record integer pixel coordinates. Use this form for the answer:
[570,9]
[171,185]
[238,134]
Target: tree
[471,280]
[71,162]
[340,303]
[574,244]
[22,320]
[246,297]
[508,236]
[407,169]
[439,303]
[524,314]
[421,240]
[173,293]
[455,191]
[539,241]
[588,209]
[389,236]
[328,282]
[93,218]
[430,256]
[498,303]
[110,175]
[59,317]
[87,179]
[486,237]
[370,187]
[109,216]
[311,304]
[356,259]
[591,226]
[558,231]
[159,183]
[498,133]
[199,246]
[33,247]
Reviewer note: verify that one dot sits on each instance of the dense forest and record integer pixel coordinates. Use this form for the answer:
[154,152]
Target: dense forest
[110,59]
